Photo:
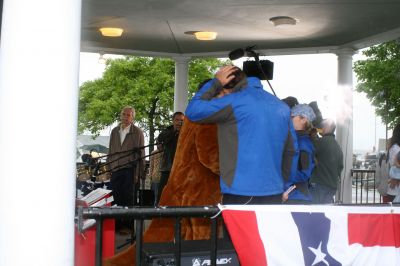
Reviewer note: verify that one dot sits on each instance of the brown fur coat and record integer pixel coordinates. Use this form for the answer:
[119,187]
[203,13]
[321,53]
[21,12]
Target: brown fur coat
[194,181]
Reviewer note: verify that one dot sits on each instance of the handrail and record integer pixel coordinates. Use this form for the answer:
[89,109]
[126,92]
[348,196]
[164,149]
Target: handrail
[365,186]
[362,170]
[142,213]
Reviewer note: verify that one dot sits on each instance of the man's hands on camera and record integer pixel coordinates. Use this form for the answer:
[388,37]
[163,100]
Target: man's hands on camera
[224,74]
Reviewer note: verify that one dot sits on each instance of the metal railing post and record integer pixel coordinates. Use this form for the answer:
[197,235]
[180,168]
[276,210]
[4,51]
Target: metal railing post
[99,241]
[139,214]
[139,241]
[213,239]
[362,179]
[178,241]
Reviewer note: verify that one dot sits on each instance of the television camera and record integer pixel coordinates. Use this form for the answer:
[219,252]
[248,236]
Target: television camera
[262,69]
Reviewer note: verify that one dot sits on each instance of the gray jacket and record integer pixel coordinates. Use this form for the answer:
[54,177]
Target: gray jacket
[125,155]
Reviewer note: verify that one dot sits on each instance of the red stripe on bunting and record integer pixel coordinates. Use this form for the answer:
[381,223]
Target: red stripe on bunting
[243,230]
[374,230]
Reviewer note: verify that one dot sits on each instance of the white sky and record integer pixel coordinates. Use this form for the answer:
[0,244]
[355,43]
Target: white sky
[306,77]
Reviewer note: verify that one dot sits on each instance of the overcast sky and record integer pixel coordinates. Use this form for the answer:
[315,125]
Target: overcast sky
[308,78]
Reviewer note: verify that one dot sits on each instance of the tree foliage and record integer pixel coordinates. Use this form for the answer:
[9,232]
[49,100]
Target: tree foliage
[379,77]
[142,82]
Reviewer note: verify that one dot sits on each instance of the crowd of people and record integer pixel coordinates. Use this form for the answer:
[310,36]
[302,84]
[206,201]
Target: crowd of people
[271,150]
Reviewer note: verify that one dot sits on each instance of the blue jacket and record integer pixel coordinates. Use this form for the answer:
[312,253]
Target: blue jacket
[256,138]
[305,167]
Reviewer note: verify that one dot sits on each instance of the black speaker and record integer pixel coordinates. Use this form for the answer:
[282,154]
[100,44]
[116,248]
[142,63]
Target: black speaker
[251,69]
[145,197]
[193,253]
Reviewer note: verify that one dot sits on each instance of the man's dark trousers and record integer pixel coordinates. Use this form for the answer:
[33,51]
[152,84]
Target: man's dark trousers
[122,186]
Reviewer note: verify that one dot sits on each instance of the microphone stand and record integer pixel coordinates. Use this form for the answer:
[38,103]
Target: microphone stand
[134,163]
[257,59]
[127,154]
[141,201]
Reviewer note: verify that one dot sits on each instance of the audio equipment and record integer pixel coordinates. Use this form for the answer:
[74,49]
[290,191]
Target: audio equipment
[193,253]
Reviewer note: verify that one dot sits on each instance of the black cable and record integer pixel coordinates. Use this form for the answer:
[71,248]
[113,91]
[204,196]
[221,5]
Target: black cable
[257,59]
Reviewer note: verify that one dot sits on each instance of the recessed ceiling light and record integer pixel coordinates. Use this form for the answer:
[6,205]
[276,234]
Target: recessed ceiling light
[111,32]
[203,35]
[282,20]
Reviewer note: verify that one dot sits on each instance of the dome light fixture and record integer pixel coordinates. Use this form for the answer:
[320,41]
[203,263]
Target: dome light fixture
[205,35]
[282,21]
[111,32]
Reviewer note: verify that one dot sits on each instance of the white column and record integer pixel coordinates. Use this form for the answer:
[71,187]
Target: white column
[181,83]
[344,119]
[39,69]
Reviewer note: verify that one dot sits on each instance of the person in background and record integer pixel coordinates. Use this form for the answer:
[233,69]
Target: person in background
[318,115]
[394,173]
[382,175]
[296,188]
[317,121]
[123,160]
[291,101]
[394,149]
[329,156]
[250,148]
[169,139]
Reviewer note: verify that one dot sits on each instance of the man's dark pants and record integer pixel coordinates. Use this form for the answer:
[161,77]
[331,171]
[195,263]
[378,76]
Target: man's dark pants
[163,181]
[122,186]
[322,194]
[253,200]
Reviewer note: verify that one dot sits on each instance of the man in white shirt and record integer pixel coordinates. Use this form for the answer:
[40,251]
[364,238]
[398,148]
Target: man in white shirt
[125,158]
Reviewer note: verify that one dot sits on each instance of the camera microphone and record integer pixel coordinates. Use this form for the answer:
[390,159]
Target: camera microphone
[240,52]
[236,54]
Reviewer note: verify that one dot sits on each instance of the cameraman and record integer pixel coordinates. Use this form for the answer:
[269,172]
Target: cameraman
[169,139]
[256,138]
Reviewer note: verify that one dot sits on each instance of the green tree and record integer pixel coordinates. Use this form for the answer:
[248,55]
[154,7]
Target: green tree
[379,77]
[143,82]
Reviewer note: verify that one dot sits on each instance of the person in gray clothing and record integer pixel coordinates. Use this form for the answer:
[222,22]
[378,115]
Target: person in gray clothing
[329,156]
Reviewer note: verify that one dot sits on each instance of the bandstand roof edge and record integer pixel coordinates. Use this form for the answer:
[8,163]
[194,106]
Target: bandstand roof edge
[157,27]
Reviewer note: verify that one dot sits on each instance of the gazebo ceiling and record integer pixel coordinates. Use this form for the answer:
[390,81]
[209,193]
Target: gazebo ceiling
[157,27]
